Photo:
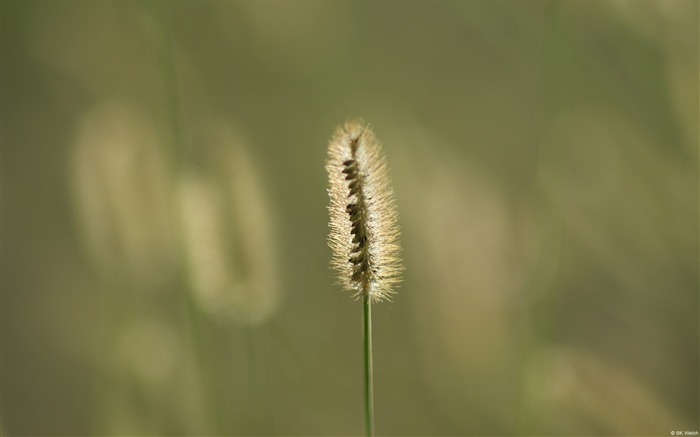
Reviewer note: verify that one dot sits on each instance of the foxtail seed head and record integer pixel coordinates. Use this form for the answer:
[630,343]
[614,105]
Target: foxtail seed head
[364,233]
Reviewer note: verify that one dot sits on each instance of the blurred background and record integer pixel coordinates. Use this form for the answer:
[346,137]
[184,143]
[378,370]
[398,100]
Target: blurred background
[164,258]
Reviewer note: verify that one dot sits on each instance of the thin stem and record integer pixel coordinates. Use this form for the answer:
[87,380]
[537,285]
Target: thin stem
[369,390]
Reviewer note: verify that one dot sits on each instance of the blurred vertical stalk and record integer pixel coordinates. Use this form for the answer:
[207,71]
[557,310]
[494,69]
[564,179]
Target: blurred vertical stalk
[258,412]
[157,24]
[558,75]
[171,84]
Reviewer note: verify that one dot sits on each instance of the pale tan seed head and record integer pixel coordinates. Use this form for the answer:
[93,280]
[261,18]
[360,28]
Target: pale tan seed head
[364,233]
[228,230]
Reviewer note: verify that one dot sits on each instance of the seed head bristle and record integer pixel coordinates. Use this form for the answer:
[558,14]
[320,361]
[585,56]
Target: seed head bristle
[364,233]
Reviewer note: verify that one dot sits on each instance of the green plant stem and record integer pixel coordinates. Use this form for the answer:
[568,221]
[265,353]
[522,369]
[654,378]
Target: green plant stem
[369,384]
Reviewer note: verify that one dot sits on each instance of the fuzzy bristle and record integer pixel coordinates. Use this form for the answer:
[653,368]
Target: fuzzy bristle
[364,233]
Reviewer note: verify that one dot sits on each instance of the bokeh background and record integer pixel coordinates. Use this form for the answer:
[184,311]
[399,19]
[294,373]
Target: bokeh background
[164,258]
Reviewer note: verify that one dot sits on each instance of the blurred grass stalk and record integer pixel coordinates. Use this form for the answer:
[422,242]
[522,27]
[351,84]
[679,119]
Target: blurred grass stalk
[223,191]
[558,63]
[157,26]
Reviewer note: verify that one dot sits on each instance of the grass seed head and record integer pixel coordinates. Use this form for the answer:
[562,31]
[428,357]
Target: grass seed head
[364,233]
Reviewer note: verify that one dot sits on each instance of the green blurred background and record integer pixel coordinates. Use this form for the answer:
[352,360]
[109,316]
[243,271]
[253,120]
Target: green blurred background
[164,258]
